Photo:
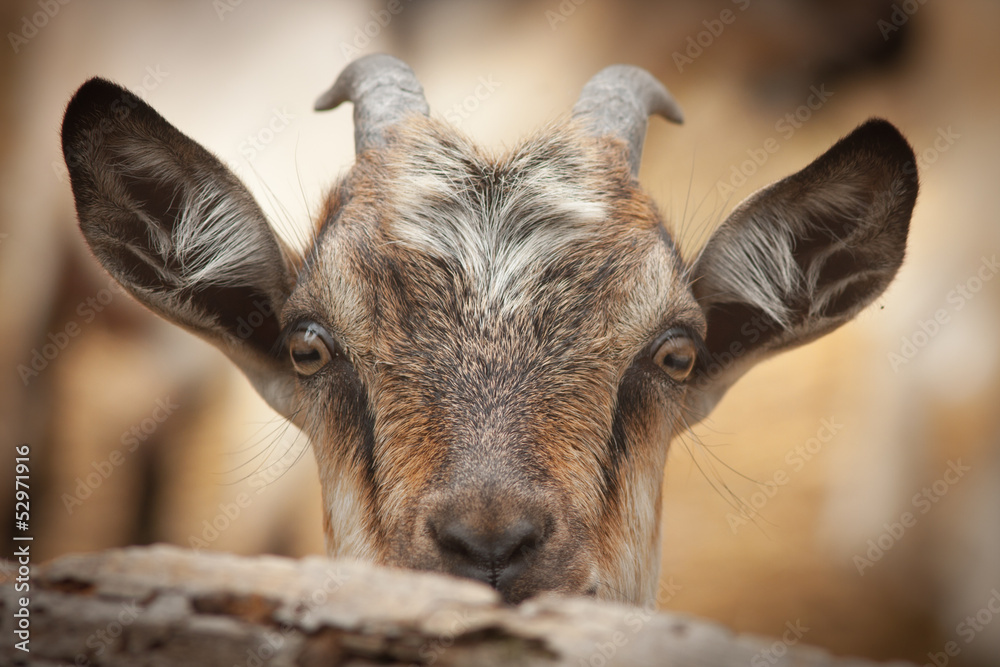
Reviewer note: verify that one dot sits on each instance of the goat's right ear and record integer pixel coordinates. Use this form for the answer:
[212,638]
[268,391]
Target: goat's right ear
[179,231]
[804,255]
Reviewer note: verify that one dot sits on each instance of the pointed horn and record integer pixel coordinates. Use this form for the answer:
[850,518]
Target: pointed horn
[619,99]
[383,89]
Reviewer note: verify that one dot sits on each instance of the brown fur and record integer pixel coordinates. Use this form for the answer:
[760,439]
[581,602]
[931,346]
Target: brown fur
[483,407]
[488,403]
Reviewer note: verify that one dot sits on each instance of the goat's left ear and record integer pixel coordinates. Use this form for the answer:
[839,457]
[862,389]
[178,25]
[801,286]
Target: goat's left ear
[801,257]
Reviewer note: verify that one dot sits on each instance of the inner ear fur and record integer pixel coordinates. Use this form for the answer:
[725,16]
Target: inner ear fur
[177,228]
[799,258]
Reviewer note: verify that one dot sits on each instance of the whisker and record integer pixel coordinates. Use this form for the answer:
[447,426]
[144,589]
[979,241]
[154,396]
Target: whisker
[264,457]
[716,479]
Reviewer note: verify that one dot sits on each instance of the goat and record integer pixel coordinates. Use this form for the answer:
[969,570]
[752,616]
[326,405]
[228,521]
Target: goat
[490,353]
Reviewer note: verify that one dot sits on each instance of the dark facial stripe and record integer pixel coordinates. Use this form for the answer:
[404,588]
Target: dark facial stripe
[349,402]
[668,240]
[630,403]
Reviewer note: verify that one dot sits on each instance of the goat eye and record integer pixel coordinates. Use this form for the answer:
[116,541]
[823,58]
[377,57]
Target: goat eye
[310,348]
[676,356]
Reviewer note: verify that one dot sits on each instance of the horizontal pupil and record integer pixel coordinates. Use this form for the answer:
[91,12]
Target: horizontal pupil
[677,361]
[311,355]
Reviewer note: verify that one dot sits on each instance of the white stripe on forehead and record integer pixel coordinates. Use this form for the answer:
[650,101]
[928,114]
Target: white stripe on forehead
[507,222]
[503,232]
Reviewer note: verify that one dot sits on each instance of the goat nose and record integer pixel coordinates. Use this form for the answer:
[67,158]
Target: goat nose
[494,555]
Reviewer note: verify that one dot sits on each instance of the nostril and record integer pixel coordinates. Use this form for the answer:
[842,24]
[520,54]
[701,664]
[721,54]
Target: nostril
[456,539]
[519,541]
[487,552]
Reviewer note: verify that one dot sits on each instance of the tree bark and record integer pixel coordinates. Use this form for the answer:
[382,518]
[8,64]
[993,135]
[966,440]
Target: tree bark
[164,605]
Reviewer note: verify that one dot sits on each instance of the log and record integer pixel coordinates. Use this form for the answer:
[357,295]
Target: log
[163,605]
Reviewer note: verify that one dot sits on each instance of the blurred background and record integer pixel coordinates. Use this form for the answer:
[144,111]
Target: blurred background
[851,487]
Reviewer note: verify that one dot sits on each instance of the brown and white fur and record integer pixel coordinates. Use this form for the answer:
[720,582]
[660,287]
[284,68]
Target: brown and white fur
[489,353]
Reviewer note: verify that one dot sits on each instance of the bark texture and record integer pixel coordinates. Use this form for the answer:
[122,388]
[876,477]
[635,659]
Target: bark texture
[164,605]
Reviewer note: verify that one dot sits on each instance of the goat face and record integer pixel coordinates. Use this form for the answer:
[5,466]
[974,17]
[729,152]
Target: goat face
[490,353]
[491,346]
